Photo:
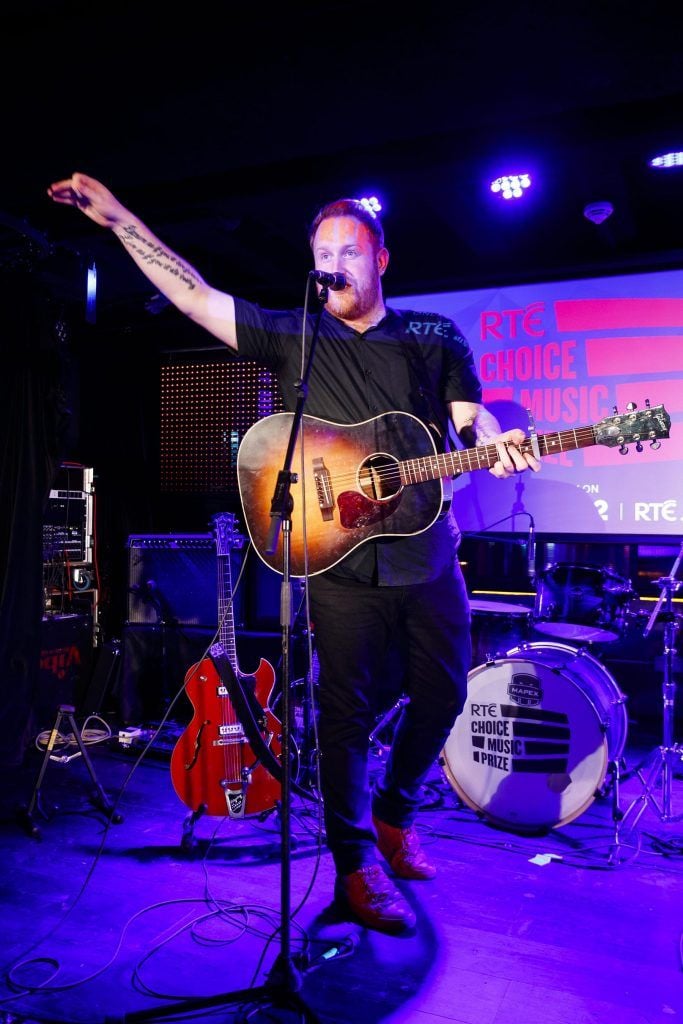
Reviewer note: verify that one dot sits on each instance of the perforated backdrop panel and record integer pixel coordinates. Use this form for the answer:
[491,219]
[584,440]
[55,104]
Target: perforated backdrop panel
[206,408]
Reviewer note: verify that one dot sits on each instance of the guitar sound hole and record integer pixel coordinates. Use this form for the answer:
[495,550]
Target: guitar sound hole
[379,477]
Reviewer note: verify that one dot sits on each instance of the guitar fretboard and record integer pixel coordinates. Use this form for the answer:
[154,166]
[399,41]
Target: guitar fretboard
[432,467]
[226,616]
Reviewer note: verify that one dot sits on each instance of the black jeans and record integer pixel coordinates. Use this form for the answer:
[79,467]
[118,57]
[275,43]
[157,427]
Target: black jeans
[354,625]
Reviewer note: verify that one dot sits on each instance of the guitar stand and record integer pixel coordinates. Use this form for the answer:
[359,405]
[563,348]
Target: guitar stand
[188,842]
[25,815]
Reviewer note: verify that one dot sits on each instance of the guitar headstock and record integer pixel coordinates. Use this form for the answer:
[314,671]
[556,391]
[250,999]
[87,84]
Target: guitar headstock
[227,536]
[635,426]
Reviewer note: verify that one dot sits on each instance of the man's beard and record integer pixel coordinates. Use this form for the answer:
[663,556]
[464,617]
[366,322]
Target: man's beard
[358,301]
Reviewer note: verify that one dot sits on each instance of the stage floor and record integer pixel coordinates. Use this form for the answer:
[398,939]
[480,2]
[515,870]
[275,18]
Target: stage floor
[156,918]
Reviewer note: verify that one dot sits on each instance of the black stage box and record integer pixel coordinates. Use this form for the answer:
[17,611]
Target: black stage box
[173,579]
[66,653]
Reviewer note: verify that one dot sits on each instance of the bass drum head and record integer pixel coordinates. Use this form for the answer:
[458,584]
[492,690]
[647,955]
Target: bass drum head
[531,747]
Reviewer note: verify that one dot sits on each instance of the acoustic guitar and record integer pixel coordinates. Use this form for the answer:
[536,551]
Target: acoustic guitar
[382,477]
[214,767]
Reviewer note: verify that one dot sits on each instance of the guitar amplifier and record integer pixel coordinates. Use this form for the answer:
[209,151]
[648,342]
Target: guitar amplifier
[173,580]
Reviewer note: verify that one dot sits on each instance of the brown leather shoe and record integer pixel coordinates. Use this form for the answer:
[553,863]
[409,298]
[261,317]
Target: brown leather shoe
[374,900]
[401,848]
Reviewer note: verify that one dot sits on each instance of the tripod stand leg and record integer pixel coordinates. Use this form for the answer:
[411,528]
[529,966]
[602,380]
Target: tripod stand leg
[270,995]
[25,815]
[103,800]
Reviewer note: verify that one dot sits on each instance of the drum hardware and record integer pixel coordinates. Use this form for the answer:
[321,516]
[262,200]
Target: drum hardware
[382,749]
[497,626]
[581,603]
[659,767]
[304,719]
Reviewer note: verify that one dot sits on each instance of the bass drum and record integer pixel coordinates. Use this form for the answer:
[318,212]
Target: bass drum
[530,749]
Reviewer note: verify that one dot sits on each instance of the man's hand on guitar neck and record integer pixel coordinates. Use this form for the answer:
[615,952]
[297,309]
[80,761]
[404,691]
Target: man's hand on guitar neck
[476,425]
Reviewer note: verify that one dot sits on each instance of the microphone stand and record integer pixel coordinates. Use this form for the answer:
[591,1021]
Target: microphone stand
[283,983]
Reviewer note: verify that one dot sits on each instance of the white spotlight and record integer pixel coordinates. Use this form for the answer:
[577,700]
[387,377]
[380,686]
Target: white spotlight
[511,186]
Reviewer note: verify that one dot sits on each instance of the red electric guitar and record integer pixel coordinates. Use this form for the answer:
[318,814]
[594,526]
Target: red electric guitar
[214,768]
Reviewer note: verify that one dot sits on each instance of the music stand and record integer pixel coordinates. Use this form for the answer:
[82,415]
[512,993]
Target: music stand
[659,766]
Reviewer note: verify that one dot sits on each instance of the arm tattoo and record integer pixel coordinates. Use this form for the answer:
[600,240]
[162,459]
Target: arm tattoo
[156,255]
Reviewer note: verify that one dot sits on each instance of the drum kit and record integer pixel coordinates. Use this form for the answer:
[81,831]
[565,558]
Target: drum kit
[544,726]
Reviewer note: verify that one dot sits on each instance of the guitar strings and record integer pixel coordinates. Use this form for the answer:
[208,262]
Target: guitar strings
[483,456]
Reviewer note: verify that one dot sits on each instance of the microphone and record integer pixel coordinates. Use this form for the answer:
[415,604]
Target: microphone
[334,281]
[531,551]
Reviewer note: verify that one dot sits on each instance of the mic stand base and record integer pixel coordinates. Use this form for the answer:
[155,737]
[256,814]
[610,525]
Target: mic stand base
[280,990]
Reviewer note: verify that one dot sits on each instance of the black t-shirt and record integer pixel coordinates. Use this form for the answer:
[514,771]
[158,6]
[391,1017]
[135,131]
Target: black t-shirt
[410,362]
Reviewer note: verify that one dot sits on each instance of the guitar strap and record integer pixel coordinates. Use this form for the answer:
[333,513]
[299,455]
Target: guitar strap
[249,711]
[432,412]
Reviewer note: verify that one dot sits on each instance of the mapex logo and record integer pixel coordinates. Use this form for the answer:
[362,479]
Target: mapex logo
[525,690]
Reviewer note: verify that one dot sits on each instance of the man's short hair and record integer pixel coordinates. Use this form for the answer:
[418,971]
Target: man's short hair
[348,208]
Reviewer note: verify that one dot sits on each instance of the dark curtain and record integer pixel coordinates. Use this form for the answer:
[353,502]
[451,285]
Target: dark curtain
[35,423]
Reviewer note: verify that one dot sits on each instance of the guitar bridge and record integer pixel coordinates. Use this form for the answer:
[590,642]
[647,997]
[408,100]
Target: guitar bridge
[323,489]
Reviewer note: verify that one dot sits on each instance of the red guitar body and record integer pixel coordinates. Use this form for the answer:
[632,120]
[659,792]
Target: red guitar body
[214,769]
[212,765]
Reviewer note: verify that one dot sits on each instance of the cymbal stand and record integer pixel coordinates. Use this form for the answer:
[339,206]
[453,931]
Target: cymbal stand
[659,766]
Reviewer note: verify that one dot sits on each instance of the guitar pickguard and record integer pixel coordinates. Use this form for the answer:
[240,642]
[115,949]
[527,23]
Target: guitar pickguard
[356,512]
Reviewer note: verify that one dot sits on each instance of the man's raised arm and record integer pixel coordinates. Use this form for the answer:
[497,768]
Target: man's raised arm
[169,273]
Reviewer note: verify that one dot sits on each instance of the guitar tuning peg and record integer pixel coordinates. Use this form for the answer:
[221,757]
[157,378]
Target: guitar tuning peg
[639,446]
[647,403]
[655,445]
[623,450]
[614,410]
[631,407]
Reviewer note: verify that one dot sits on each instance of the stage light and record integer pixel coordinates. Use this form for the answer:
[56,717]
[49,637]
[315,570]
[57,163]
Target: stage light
[91,294]
[511,186]
[667,160]
[371,204]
